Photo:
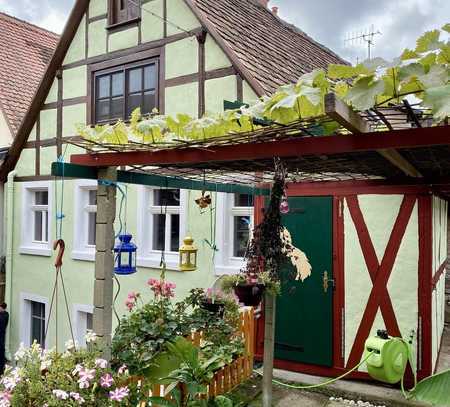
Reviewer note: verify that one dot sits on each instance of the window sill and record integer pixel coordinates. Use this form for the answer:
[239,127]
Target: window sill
[84,255]
[222,270]
[122,25]
[35,250]
[154,263]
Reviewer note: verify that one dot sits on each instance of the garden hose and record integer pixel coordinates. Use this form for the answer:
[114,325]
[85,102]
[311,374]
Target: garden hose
[411,362]
[312,386]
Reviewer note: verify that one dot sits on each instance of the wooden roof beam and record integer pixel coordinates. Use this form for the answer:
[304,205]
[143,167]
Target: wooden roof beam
[339,111]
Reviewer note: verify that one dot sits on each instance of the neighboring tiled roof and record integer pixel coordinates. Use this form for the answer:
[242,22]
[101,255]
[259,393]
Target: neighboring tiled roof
[25,50]
[273,51]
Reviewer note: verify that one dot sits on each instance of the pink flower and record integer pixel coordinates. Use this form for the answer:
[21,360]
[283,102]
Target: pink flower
[119,394]
[133,296]
[106,380]
[77,397]
[60,394]
[85,377]
[130,304]
[5,399]
[122,369]
[101,363]
[77,369]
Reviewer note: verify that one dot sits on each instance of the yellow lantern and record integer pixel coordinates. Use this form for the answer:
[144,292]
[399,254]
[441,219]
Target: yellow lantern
[188,255]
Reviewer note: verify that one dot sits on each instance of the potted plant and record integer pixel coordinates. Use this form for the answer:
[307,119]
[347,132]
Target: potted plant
[250,292]
[213,301]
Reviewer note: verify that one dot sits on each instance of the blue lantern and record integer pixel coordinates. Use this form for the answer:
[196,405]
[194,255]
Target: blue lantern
[125,255]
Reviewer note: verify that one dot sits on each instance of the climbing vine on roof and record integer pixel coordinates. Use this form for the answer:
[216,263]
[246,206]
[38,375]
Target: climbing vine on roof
[423,72]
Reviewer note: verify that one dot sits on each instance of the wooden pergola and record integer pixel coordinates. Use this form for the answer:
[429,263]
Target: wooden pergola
[389,146]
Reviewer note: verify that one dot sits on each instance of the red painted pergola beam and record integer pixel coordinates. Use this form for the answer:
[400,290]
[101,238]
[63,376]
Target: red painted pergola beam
[410,138]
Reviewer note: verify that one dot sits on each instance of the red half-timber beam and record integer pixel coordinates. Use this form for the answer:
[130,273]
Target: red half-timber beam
[410,138]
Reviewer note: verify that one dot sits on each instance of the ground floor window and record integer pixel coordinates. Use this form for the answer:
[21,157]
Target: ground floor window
[163,225]
[85,220]
[37,322]
[234,226]
[82,322]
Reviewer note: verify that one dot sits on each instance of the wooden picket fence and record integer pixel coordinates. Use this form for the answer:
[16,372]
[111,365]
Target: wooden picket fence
[231,375]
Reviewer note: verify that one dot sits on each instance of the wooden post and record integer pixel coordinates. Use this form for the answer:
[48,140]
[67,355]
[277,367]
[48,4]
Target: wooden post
[269,346]
[104,257]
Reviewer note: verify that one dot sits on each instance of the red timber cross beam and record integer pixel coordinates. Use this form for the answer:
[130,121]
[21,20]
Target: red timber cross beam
[379,273]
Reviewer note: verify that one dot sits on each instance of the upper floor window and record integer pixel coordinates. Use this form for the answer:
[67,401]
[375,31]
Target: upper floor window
[120,90]
[123,11]
[36,218]
[40,216]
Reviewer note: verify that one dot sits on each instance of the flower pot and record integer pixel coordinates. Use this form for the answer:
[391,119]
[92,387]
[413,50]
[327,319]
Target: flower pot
[214,307]
[249,294]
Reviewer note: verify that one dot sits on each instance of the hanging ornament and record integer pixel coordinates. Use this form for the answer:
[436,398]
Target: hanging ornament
[284,205]
[125,254]
[204,201]
[188,255]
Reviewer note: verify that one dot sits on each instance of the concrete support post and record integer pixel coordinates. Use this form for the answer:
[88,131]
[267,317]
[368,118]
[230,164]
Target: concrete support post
[269,347]
[104,257]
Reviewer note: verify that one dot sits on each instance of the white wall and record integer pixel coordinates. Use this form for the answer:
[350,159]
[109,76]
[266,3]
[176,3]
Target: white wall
[5,133]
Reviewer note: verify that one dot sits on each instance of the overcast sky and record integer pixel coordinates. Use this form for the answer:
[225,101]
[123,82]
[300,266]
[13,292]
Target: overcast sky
[328,21]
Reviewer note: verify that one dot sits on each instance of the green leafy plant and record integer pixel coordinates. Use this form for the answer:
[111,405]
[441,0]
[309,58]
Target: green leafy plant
[189,382]
[141,340]
[433,389]
[142,335]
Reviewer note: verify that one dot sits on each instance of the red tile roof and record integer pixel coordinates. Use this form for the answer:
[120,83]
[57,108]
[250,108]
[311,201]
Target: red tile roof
[25,50]
[274,52]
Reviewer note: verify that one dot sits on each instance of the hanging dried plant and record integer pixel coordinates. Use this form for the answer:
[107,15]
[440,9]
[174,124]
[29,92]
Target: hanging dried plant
[268,251]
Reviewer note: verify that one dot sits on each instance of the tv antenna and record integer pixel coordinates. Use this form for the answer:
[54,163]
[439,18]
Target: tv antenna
[367,37]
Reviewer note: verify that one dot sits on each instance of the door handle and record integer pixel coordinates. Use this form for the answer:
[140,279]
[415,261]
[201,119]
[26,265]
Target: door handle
[326,281]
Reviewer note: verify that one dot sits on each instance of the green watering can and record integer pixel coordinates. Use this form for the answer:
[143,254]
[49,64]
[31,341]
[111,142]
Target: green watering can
[388,359]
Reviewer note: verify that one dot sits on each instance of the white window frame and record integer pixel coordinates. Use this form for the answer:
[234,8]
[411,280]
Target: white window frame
[79,318]
[82,250]
[25,315]
[224,261]
[147,257]
[28,245]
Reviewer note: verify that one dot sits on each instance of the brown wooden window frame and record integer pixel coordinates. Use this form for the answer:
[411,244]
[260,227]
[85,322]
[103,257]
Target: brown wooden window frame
[125,64]
[118,18]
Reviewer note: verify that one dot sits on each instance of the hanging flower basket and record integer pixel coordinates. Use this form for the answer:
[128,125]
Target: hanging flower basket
[249,294]
[216,307]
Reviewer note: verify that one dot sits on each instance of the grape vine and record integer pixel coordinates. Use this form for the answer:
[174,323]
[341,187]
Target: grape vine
[422,73]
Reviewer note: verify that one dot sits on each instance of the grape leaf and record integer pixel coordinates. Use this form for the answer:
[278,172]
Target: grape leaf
[444,54]
[336,71]
[409,54]
[437,76]
[364,92]
[429,41]
[439,100]
[341,88]
[413,70]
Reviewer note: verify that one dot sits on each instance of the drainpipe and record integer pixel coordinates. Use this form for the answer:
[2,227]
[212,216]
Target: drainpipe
[9,245]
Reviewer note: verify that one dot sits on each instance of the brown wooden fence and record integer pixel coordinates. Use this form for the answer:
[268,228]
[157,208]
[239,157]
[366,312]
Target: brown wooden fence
[230,376]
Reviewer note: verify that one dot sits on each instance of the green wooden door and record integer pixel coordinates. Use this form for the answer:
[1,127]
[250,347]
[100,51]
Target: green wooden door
[304,310]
